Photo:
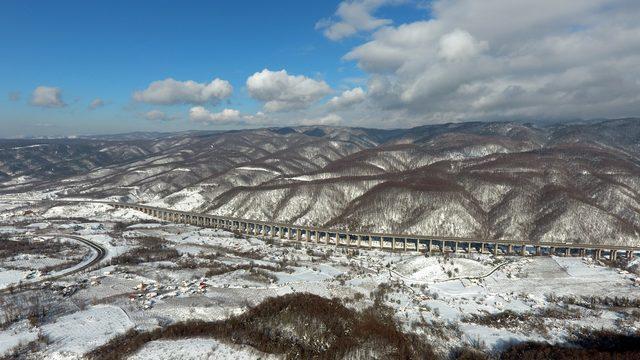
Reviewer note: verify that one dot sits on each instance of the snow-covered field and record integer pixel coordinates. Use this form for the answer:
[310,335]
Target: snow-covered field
[157,274]
[73,335]
[196,349]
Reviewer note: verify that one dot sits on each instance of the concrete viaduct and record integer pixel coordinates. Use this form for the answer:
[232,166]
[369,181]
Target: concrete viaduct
[367,240]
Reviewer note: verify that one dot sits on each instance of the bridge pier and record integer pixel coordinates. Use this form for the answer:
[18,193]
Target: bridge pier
[507,247]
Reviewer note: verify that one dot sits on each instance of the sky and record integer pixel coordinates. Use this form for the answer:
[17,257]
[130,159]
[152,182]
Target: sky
[96,67]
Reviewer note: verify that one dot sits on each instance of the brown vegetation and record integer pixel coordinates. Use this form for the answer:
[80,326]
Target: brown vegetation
[11,248]
[599,345]
[294,325]
[150,249]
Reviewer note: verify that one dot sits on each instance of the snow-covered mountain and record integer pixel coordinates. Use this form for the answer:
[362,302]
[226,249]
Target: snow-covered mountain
[558,182]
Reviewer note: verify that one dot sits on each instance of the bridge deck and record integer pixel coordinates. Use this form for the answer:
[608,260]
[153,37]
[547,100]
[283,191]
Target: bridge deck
[365,239]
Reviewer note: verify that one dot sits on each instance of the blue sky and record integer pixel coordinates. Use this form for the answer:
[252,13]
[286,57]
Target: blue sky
[401,60]
[109,49]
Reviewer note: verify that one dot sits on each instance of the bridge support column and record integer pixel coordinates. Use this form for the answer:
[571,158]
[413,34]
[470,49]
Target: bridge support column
[629,255]
[455,247]
[370,242]
[429,246]
[359,239]
[495,249]
[613,255]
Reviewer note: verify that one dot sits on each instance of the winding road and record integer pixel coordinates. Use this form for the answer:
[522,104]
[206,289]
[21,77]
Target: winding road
[99,253]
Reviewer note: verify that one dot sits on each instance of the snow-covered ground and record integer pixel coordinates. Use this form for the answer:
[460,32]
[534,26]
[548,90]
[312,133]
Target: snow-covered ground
[196,349]
[16,335]
[75,334]
[208,274]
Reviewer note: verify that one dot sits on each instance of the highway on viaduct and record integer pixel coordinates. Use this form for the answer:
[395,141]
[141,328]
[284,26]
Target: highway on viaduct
[385,241]
[370,240]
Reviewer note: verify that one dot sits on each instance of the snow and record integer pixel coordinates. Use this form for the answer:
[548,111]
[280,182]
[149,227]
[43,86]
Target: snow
[183,200]
[26,147]
[250,168]
[10,276]
[75,334]
[95,211]
[424,287]
[18,334]
[197,348]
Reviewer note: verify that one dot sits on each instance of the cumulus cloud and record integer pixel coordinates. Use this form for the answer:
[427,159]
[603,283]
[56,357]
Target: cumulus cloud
[348,98]
[354,16]
[96,103]
[226,116]
[157,115]
[170,91]
[504,59]
[459,45]
[46,96]
[280,91]
[329,119]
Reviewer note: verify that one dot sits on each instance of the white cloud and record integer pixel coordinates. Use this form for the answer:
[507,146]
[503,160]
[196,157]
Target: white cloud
[280,91]
[354,16]
[329,119]
[157,115]
[226,116]
[170,91]
[507,59]
[96,103]
[459,45]
[45,96]
[348,98]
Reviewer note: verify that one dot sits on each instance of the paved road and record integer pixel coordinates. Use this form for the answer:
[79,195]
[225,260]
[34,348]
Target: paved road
[100,253]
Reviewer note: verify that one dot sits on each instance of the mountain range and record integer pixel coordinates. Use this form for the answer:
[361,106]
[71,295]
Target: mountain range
[562,182]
